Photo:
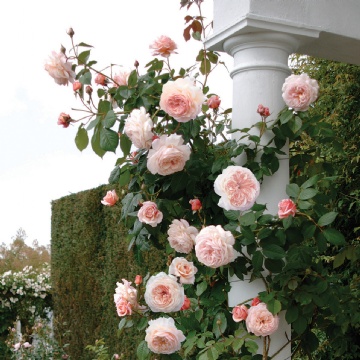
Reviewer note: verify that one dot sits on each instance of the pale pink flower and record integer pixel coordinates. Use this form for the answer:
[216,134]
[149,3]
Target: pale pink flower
[168,155]
[163,293]
[138,127]
[181,99]
[150,214]
[299,91]
[17,346]
[138,279]
[263,111]
[100,79]
[60,69]
[260,321]
[239,313]
[64,120]
[163,46]
[77,85]
[286,208]
[26,345]
[121,78]
[181,236]
[163,337]
[186,305]
[214,246]
[110,199]
[123,307]
[126,292]
[183,269]
[213,102]
[195,204]
[237,187]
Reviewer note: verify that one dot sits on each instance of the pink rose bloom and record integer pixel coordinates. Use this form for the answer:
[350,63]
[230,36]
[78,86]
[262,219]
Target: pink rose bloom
[17,346]
[149,214]
[181,236]
[239,313]
[181,99]
[60,69]
[263,111]
[163,293]
[195,204]
[77,85]
[124,291]
[138,279]
[299,91]
[123,307]
[213,102]
[110,199]
[163,337]
[138,128]
[100,79]
[186,305]
[168,155]
[260,321]
[255,301]
[214,246]
[163,46]
[237,187]
[286,208]
[121,78]
[183,269]
[64,120]
[26,345]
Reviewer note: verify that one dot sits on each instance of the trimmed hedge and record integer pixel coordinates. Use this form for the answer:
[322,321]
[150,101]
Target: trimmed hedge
[89,254]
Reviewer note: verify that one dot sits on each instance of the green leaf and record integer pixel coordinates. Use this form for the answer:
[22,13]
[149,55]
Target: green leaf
[310,182]
[307,194]
[81,139]
[142,351]
[114,175]
[132,81]
[122,323]
[257,261]
[125,144]
[247,219]
[95,143]
[286,116]
[219,324]
[110,119]
[83,57]
[124,177]
[84,44]
[299,325]
[334,237]
[292,314]
[293,190]
[274,306]
[109,139]
[327,218]
[205,66]
[232,214]
[85,79]
[273,251]
[295,124]
[201,287]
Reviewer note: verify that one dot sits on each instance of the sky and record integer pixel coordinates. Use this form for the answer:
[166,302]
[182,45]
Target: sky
[39,161]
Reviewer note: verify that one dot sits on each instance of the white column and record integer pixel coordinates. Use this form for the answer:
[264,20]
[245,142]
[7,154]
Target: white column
[260,68]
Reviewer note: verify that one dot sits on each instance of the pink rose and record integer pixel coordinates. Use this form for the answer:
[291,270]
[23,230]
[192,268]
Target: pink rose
[100,79]
[186,305]
[239,313]
[286,208]
[195,204]
[181,99]
[138,279]
[163,46]
[17,346]
[89,90]
[64,120]
[237,187]
[138,128]
[168,155]
[77,85]
[299,91]
[260,321]
[213,102]
[26,345]
[183,269]
[60,69]
[163,293]
[181,236]
[255,301]
[123,307]
[110,199]
[163,337]
[263,111]
[149,214]
[126,292]
[121,78]
[214,246]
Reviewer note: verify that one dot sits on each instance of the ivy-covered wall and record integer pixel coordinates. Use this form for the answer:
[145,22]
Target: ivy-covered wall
[89,254]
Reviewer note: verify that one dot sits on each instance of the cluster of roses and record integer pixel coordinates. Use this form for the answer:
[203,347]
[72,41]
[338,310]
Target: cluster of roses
[237,187]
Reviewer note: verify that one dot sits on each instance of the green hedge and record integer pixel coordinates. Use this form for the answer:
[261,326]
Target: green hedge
[89,254]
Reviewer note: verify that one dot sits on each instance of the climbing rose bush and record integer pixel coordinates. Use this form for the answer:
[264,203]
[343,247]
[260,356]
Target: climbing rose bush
[191,188]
